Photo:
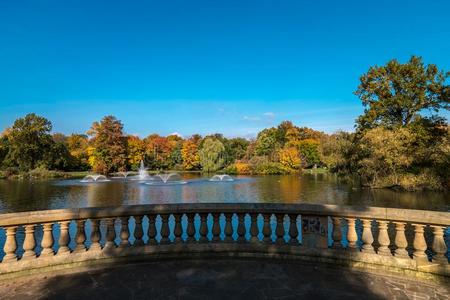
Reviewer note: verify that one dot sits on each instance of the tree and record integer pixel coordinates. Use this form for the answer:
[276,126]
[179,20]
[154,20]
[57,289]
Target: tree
[290,158]
[157,152]
[309,150]
[266,142]
[78,148]
[212,155]
[237,148]
[109,145]
[394,95]
[385,153]
[29,141]
[189,153]
[136,151]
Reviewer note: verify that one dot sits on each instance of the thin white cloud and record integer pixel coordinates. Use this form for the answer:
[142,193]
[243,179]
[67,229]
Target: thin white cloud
[269,114]
[177,134]
[247,118]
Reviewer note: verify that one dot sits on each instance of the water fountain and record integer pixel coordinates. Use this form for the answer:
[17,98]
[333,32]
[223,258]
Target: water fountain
[95,178]
[142,173]
[122,174]
[166,179]
[221,177]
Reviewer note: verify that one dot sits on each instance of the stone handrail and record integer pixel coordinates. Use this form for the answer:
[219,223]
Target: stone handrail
[410,241]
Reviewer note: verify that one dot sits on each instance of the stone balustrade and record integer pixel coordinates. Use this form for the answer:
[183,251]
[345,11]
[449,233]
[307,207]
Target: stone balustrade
[398,240]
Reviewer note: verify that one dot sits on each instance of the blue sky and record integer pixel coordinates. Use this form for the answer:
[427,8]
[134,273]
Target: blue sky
[233,67]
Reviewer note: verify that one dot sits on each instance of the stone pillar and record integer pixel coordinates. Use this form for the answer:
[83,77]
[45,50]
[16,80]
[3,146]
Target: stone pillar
[279,230]
[254,228]
[216,227]
[47,240]
[367,236]
[383,238]
[228,228]
[439,246]
[10,244]
[241,227]
[352,237]
[203,228]
[110,233]
[165,230]
[337,233]
[293,230]
[64,237]
[190,228]
[151,232]
[420,245]
[400,240]
[138,231]
[267,230]
[81,237]
[95,235]
[29,243]
[177,231]
[124,232]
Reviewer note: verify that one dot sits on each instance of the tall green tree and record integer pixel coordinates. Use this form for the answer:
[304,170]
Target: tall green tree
[212,155]
[29,141]
[395,94]
[109,153]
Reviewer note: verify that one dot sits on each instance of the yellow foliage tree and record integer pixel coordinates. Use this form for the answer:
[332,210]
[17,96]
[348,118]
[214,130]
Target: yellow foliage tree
[136,150]
[290,158]
[189,153]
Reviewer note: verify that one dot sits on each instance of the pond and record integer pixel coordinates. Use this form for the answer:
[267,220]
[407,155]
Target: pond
[24,195]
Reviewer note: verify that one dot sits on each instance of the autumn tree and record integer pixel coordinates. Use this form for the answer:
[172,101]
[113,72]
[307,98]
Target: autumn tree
[212,155]
[109,145]
[136,151]
[29,140]
[290,158]
[78,148]
[190,155]
[395,94]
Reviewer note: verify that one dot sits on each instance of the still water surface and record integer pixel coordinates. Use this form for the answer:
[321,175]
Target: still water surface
[23,195]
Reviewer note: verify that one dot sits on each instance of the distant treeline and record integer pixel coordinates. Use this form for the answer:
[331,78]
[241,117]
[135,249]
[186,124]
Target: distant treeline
[399,141]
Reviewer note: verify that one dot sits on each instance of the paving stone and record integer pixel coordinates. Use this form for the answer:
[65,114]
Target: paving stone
[220,279]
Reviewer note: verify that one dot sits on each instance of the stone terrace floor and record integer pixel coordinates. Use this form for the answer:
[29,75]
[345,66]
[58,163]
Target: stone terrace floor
[219,279]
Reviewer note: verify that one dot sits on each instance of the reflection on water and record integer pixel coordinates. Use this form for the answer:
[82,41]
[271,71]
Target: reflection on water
[311,188]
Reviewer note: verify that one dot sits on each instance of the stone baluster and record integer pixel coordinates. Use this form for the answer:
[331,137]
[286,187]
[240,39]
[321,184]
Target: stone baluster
[216,227]
[400,240]
[337,233]
[203,228]
[124,232]
[352,237]
[80,237]
[178,230]
[138,231]
[10,244]
[95,235]
[228,228]
[64,237]
[151,231]
[47,240]
[165,230]
[267,230]
[293,230]
[419,244]
[254,228]
[29,243]
[439,246]
[241,227]
[190,231]
[110,234]
[383,238]
[279,230]
[367,236]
